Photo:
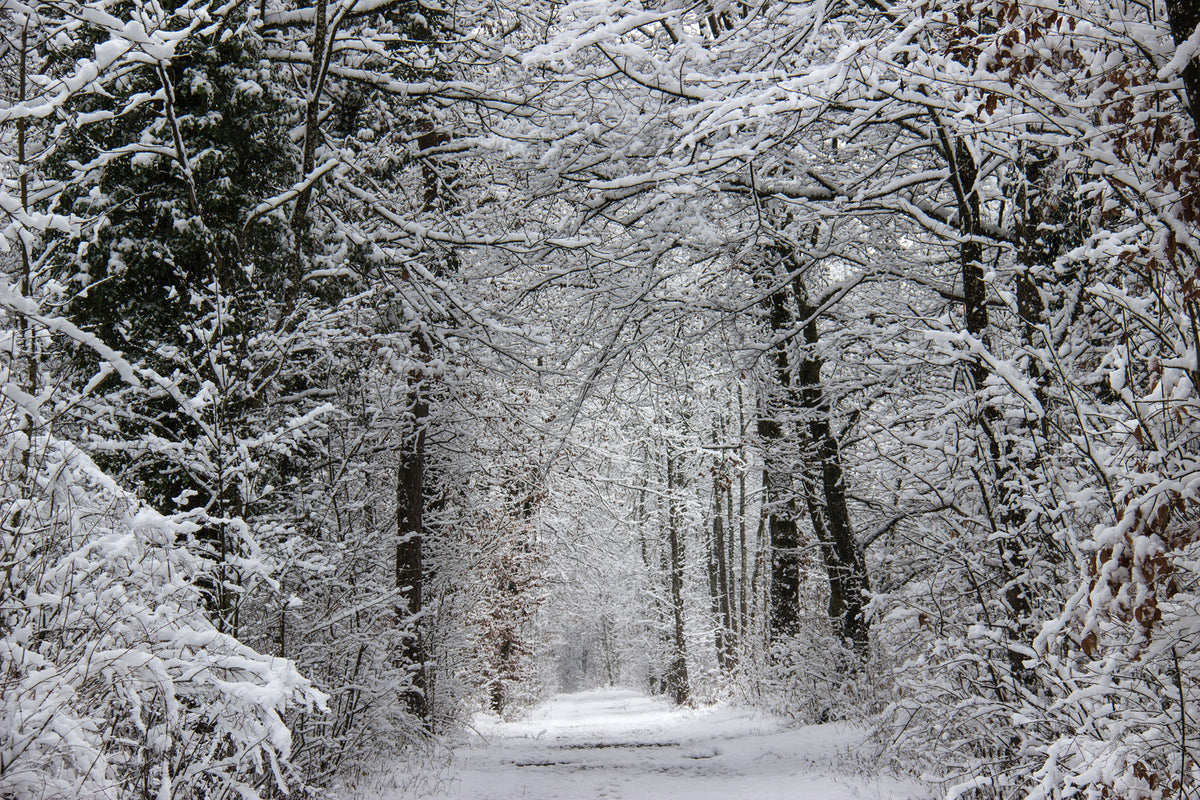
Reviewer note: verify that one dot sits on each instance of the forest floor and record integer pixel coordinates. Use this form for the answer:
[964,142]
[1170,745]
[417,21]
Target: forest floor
[620,745]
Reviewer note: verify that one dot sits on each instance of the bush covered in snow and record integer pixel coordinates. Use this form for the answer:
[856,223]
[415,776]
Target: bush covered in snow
[114,683]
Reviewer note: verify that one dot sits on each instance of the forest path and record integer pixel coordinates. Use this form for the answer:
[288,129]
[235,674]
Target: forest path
[621,745]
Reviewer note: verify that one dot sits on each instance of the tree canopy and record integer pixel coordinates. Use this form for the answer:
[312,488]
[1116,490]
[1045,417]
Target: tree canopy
[369,363]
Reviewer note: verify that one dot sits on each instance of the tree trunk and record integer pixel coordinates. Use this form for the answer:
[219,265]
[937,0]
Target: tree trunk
[731,561]
[778,498]
[719,566]
[822,483]
[714,589]
[744,625]
[1185,17]
[410,530]
[1034,253]
[659,616]
[298,222]
[677,673]
[965,174]
[849,585]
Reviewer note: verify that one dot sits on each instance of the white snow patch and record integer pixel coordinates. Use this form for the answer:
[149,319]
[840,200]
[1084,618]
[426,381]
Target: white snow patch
[622,745]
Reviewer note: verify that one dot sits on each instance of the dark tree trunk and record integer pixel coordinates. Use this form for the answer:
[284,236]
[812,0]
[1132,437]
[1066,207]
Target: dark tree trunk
[975,310]
[965,173]
[849,585]
[726,581]
[718,563]
[524,496]
[654,567]
[744,583]
[721,569]
[410,487]
[714,591]
[677,673]
[1034,252]
[410,530]
[822,481]
[299,222]
[1185,16]
[731,567]
[784,544]
[778,496]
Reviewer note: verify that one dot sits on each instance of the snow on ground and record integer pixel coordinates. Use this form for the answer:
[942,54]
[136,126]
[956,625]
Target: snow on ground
[620,745]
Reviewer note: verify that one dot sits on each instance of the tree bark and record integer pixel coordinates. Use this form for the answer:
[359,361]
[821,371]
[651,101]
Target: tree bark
[823,483]
[965,174]
[410,530]
[298,221]
[677,673]
[28,340]
[778,496]
[1185,16]
[714,588]
[849,584]
[719,566]
[743,600]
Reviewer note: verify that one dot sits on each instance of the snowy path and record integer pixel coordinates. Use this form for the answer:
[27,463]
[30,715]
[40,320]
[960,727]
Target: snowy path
[620,745]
